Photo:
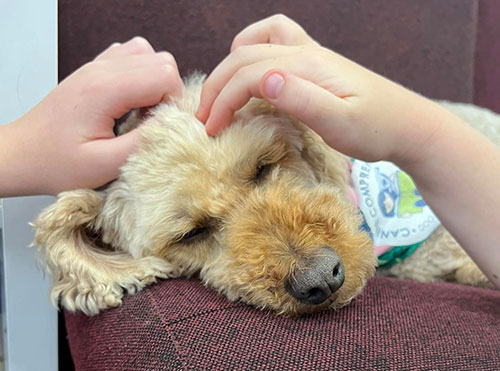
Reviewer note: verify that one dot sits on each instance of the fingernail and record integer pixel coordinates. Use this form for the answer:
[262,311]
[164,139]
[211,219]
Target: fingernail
[202,114]
[209,130]
[273,85]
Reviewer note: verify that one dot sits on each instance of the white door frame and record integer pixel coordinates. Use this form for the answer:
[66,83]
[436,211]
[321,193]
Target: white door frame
[28,71]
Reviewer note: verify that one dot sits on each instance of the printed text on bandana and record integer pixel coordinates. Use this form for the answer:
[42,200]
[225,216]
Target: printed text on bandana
[392,206]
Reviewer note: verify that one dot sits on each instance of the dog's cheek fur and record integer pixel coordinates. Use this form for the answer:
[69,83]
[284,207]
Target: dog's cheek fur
[194,257]
[274,231]
[329,166]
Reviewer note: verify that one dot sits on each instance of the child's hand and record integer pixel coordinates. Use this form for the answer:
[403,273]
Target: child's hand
[356,111]
[67,140]
[370,118]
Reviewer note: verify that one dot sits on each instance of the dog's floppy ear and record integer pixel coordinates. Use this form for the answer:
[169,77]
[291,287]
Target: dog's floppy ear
[80,237]
[328,165]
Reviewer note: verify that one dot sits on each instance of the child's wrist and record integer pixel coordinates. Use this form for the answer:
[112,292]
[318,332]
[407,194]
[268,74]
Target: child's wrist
[20,165]
[427,131]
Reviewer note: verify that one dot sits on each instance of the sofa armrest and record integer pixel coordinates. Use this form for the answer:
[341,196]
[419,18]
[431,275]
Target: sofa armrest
[395,324]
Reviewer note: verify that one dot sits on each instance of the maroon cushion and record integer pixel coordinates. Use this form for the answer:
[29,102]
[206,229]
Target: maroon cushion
[180,324]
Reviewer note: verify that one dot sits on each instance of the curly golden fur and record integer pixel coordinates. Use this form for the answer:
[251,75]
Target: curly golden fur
[252,212]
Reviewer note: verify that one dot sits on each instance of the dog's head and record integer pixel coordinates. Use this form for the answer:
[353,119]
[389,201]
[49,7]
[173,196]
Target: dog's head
[261,212]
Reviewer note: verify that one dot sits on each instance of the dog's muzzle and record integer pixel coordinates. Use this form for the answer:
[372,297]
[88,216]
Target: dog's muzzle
[314,282]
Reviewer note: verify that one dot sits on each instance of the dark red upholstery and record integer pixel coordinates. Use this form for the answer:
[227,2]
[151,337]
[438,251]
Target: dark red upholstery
[442,49]
[180,324]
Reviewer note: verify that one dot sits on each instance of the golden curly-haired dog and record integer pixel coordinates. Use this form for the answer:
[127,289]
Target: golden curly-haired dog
[260,212]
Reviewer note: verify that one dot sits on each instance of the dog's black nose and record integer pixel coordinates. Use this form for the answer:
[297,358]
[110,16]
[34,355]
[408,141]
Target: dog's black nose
[320,277]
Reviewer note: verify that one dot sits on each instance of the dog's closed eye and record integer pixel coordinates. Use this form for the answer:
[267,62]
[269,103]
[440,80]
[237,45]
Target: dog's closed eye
[262,172]
[195,234]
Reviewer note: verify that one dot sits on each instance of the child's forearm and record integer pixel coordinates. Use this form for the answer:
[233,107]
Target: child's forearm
[460,177]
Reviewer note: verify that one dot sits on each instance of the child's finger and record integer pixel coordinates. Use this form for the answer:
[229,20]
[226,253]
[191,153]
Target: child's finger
[136,61]
[240,89]
[140,87]
[110,50]
[315,106]
[146,79]
[137,45]
[241,57]
[108,155]
[244,84]
[277,29]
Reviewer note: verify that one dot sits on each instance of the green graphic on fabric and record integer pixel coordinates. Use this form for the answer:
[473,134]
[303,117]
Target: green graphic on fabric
[396,255]
[409,198]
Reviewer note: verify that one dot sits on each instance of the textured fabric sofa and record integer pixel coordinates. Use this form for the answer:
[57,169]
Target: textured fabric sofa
[180,324]
[442,49]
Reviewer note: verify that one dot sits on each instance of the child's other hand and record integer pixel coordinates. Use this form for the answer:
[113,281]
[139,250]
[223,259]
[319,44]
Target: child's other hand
[68,136]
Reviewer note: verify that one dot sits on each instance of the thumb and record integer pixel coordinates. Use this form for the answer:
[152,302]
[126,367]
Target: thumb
[315,106]
[111,154]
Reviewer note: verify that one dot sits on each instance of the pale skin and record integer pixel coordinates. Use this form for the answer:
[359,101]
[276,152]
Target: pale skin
[368,117]
[66,141]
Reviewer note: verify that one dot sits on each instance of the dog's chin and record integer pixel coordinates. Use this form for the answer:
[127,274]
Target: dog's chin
[297,309]
[283,304]
[335,302]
